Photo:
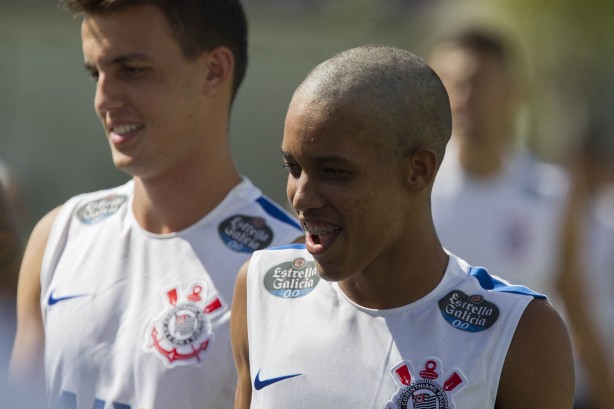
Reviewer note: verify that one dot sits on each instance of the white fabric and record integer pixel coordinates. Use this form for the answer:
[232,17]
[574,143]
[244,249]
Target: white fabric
[341,355]
[146,321]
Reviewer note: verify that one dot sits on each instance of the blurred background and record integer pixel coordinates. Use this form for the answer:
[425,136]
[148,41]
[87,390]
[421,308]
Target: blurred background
[55,147]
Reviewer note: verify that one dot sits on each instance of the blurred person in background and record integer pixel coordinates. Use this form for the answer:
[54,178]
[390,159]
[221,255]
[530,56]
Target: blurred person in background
[125,293]
[587,264]
[14,195]
[493,201]
[10,259]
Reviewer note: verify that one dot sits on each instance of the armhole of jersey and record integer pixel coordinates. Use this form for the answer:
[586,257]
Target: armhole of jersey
[493,283]
[58,235]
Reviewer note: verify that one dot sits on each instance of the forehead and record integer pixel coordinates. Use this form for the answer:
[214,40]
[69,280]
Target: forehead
[314,129]
[139,29]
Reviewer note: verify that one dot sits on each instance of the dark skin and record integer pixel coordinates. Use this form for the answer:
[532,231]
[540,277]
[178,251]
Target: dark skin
[323,194]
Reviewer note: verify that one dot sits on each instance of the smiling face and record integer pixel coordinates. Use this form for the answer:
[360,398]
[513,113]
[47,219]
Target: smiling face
[348,192]
[148,95]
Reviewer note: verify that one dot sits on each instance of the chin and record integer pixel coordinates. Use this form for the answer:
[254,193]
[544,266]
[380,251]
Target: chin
[330,273]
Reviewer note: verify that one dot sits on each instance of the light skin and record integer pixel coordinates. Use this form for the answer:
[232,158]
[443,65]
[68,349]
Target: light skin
[368,225]
[166,120]
[483,98]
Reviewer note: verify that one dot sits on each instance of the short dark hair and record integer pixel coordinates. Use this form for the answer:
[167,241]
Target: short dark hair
[198,25]
[408,106]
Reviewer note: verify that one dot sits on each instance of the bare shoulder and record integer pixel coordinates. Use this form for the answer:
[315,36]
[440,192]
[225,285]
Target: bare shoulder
[238,320]
[29,275]
[239,337]
[538,370]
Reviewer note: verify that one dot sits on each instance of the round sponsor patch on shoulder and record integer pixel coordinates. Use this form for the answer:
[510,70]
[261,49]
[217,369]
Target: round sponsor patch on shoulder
[97,210]
[468,312]
[245,234]
[292,279]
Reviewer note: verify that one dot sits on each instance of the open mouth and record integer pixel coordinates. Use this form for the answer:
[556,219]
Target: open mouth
[319,237]
[121,134]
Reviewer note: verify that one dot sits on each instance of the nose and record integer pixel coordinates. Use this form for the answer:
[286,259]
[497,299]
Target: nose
[109,95]
[304,193]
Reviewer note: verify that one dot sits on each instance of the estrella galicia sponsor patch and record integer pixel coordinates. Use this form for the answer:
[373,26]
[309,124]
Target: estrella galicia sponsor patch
[468,312]
[292,279]
[245,234]
[97,210]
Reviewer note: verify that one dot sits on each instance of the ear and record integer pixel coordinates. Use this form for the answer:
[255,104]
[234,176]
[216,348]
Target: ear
[219,69]
[420,169]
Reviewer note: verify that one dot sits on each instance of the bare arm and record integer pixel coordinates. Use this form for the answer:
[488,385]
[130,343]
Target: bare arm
[538,371]
[27,358]
[240,344]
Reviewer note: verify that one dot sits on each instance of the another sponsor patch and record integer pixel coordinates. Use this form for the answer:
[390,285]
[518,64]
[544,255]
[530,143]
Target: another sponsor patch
[245,234]
[98,210]
[292,279]
[425,389]
[468,312]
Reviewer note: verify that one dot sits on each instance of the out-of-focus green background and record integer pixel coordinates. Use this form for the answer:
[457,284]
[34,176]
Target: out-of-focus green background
[52,140]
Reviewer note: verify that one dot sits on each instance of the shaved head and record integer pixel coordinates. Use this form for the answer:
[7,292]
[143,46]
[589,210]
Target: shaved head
[398,97]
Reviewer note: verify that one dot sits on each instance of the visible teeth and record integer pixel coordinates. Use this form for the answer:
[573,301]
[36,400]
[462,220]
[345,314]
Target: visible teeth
[120,129]
[319,229]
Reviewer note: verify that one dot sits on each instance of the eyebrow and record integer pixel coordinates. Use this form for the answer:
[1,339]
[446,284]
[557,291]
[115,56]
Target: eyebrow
[321,158]
[119,60]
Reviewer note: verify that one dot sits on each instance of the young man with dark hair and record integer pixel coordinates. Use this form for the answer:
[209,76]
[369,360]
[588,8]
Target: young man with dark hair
[128,290]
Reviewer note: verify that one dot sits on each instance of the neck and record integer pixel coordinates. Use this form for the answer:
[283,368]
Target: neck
[179,198]
[416,268]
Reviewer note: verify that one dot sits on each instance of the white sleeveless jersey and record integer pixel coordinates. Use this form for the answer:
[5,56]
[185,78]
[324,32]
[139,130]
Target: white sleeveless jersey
[311,347]
[138,320]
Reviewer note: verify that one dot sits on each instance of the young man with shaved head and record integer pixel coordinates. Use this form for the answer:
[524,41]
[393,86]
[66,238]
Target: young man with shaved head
[128,290]
[372,312]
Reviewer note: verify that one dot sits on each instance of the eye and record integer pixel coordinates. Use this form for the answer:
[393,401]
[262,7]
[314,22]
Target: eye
[93,75]
[132,70]
[333,172]
[293,169]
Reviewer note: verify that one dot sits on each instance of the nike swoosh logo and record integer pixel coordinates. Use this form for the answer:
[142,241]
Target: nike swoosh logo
[259,384]
[52,300]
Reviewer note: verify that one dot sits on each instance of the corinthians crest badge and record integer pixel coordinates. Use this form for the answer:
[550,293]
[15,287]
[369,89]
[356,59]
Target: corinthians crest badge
[181,333]
[425,389]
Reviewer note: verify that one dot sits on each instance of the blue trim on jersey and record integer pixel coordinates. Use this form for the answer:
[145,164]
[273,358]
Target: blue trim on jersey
[297,246]
[489,282]
[276,212]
